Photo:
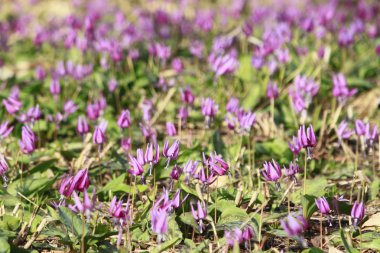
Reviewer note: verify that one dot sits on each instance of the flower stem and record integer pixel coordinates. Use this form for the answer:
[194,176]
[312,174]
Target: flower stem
[305,175]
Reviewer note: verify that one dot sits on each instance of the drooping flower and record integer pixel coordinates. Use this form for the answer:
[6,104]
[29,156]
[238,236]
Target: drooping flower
[170,128]
[187,96]
[171,153]
[295,147]
[371,136]
[199,214]
[125,144]
[233,237]
[99,136]
[124,120]
[136,168]
[307,139]
[85,207]
[357,212]
[69,107]
[5,129]
[360,127]
[343,131]
[120,216]
[28,140]
[3,169]
[294,225]
[322,205]
[218,165]
[152,157]
[272,171]
[12,104]
[159,222]
[340,89]
[209,110]
[176,172]
[292,171]
[82,126]
[272,90]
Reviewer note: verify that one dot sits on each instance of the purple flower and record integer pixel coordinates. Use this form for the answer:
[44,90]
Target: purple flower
[171,153]
[177,65]
[199,214]
[343,131]
[55,87]
[272,171]
[125,144]
[148,132]
[234,237]
[120,215]
[190,169]
[272,90]
[246,121]
[283,55]
[232,105]
[82,126]
[163,51]
[93,111]
[196,48]
[322,205]
[152,157]
[183,113]
[292,171]
[12,104]
[302,92]
[118,212]
[70,107]
[40,73]
[294,225]
[296,147]
[360,128]
[170,128]
[340,89]
[147,107]
[136,168]
[176,172]
[3,169]
[218,165]
[159,222]
[357,212]
[79,182]
[306,138]
[5,129]
[223,63]
[85,207]
[187,96]
[124,120]
[248,233]
[371,136]
[209,109]
[112,85]
[99,136]
[28,140]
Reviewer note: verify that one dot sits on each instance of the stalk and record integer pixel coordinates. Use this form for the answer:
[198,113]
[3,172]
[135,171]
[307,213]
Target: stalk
[305,175]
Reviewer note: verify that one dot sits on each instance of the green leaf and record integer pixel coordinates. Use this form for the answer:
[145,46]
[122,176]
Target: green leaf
[314,187]
[374,245]
[32,185]
[348,248]
[188,219]
[166,245]
[9,223]
[4,245]
[308,206]
[72,222]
